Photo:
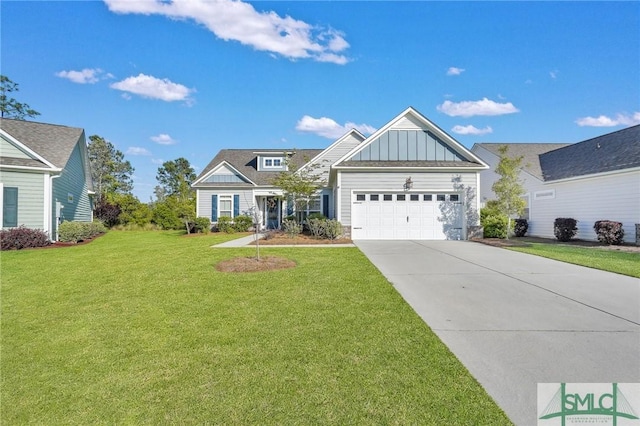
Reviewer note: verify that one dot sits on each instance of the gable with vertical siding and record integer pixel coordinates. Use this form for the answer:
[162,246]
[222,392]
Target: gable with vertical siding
[410,140]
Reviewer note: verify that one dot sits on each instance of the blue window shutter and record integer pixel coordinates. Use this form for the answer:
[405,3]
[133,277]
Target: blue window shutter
[214,208]
[325,205]
[236,205]
[10,207]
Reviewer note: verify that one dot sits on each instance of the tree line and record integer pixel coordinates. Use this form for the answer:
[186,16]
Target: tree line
[174,207]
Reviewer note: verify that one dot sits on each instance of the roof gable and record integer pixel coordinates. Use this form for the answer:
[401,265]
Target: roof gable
[223,173]
[49,143]
[530,153]
[410,140]
[327,157]
[245,162]
[615,151]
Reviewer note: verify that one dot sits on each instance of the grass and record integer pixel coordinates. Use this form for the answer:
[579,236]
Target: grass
[624,263]
[139,328]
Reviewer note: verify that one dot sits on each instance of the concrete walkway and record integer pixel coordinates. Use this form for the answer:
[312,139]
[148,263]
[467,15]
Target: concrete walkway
[239,242]
[515,320]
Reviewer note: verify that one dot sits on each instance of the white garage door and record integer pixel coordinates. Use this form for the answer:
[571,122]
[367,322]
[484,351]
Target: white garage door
[406,216]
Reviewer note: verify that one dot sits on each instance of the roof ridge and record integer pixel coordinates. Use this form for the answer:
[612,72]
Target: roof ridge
[41,123]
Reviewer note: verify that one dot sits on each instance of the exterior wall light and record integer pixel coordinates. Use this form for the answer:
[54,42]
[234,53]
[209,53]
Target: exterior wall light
[408,184]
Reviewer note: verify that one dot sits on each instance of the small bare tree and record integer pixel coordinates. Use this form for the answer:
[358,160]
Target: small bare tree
[299,185]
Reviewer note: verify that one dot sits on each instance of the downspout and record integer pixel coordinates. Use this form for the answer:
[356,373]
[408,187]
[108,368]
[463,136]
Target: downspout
[51,206]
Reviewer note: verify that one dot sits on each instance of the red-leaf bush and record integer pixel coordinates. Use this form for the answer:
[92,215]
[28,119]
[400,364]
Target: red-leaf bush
[565,228]
[23,237]
[609,232]
[520,227]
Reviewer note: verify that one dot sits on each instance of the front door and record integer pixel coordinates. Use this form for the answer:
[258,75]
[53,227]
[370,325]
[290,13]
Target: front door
[273,212]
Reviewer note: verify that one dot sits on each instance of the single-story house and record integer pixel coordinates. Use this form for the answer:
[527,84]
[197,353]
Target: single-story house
[45,175]
[407,180]
[596,179]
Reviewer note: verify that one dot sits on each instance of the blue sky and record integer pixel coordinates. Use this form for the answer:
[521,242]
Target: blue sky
[163,80]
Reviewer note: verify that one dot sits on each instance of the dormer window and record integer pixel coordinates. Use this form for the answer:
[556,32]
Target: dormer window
[272,162]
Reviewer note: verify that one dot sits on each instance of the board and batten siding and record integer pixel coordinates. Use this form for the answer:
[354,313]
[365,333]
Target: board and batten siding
[246,198]
[30,196]
[608,197]
[393,182]
[72,181]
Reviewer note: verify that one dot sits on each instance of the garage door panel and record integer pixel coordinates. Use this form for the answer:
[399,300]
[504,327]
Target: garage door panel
[403,216]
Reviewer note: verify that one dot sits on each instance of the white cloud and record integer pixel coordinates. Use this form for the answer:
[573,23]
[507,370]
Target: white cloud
[136,150]
[239,21]
[164,139]
[85,76]
[158,161]
[328,128]
[471,130]
[151,87]
[553,74]
[481,107]
[455,71]
[604,121]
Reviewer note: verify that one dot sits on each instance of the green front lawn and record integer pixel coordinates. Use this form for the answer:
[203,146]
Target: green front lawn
[139,328]
[607,260]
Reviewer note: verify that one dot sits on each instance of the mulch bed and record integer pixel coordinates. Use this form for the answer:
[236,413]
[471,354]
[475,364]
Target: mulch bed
[280,238]
[251,264]
[525,241]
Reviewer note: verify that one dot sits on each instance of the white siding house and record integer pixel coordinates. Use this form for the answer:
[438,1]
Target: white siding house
[408,180]
[596,179]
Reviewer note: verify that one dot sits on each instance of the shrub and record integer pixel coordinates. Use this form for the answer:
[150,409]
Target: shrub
[107,212]
[225,225]
[72,232]
[494,223]
[565,228]
[23,237]
[291,228]
[332,229]
[609,232]
[520,227]
[165,217]
[202,225]
[242,223]
[316,215]
[96,228]
[316,227]
[495,226]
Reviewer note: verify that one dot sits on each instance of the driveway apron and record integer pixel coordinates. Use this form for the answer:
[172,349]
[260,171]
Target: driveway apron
[515,320]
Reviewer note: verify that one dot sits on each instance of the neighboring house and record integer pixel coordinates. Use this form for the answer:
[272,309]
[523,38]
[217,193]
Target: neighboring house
[408,180]
[596,179]
[44,175]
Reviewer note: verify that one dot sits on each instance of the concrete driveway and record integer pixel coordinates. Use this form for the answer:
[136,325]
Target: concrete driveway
[515,320]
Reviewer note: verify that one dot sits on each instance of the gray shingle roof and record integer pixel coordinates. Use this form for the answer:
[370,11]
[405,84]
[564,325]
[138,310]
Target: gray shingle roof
[529,151]
[246,162]
[53,142]
[614,151]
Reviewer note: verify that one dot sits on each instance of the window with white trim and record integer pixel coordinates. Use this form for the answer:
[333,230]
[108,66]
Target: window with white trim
[225,206]
[272,162]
